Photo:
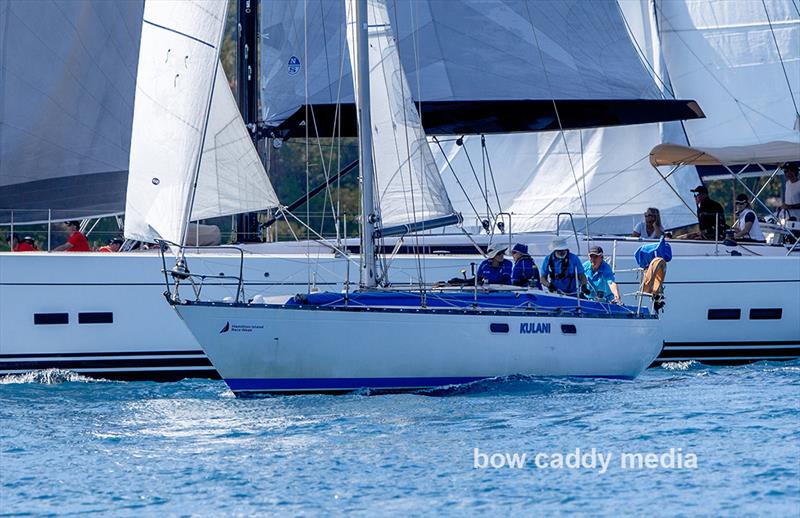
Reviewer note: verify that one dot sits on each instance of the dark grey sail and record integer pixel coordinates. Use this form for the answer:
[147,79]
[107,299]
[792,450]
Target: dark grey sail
[67,82]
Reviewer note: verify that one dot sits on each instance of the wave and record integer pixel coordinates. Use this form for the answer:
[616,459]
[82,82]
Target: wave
[519,384]
[681,366]
[48,377]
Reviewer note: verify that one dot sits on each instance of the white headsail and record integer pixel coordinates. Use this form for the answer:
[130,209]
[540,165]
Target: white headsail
[408,185]
[741,61]
[67,82]
[179,126]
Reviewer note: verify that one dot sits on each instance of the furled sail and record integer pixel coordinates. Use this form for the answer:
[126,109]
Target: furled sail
[741,61]
[481,67]
[409,187]
[178,126]
[67,83]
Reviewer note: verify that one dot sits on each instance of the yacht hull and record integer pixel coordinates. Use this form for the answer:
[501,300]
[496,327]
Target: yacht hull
[280,349]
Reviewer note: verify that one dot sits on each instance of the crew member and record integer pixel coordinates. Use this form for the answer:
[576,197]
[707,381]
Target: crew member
[748,227]
[112,246]
[791,193]
[76,242]
[495,269]
[525,272]
[561,269]
[601,283]
[710,216]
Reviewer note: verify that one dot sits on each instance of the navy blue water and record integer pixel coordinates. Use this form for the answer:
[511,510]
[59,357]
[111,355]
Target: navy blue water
[192,448]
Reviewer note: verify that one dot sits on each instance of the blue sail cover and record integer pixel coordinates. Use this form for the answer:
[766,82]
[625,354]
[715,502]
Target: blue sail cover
[536,303]
[476,66]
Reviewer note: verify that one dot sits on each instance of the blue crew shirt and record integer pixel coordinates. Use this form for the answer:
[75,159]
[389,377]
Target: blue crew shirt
[525,273]
[495,275]
[561,273]
[599,281]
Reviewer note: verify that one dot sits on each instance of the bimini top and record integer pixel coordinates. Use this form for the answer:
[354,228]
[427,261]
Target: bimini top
[769,153]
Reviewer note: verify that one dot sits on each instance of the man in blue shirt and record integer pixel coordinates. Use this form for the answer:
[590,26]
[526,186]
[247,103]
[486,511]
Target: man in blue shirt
[525,272]
[561,269]
[602,285]
[495,269]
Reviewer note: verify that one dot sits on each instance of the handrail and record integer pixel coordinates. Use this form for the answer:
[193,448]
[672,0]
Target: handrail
[181,271]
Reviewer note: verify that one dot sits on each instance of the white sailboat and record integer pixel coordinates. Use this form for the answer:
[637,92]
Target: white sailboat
[403,340]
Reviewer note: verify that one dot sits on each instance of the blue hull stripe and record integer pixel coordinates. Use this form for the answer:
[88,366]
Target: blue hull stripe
[278,384]
[345,384]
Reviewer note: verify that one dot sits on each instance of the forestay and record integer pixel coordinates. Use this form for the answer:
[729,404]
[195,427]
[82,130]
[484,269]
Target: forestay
[176,117]
[741,61]
[409,187]
[67,82]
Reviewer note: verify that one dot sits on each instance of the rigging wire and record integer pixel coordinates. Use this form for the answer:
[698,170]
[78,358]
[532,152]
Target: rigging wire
[477,180]
[491,174]
[558,119]
[780,57]
[458,181]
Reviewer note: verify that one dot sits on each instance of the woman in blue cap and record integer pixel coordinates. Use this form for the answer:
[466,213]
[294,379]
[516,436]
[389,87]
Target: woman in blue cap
[525,272]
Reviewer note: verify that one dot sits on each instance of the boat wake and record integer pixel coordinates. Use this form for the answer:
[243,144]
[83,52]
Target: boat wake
[48,377]
[518,384]
[681,366]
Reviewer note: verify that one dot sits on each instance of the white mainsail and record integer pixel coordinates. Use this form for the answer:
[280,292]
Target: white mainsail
[741,61]
[408,185]
[178,123]
[67,82]
[603,173]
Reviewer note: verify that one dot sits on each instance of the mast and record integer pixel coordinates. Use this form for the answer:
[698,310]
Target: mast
[247,90]
[368,219]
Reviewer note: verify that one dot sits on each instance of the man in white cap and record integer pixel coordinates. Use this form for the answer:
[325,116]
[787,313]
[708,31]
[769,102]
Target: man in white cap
[561,269]
[495,269]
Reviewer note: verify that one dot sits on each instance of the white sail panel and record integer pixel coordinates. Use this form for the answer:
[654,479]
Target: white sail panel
[231,178]
[177,64]
[538,176]
[408,184]
[741,62]
[67,82]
